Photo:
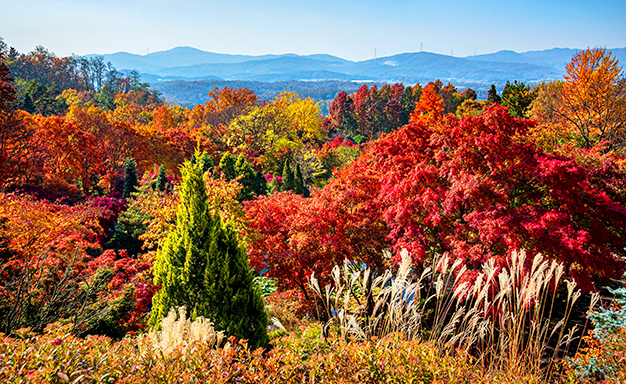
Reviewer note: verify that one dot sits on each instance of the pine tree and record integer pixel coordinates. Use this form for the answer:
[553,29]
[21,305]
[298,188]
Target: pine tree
[247,181]
[206,162]
[130,226]
[274,185]
[201,266]
[161,182]
[298,181]
[227,166]
[493,96]
[130,178]
[288,177]
[260,184]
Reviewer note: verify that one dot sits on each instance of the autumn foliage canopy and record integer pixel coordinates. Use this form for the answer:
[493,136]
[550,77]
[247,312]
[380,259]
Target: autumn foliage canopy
[473,188]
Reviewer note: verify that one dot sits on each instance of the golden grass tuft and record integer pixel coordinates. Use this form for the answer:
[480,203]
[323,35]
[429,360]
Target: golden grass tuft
[178,333]
[505,318]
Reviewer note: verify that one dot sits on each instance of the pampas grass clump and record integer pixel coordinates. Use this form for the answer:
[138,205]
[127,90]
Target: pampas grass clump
[178,332]
[505,317]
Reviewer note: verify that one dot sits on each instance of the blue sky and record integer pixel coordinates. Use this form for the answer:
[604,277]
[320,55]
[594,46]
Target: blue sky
[348,29]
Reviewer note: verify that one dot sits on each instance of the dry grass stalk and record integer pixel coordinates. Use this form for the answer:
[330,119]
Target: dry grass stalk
[505,317]
[178,333]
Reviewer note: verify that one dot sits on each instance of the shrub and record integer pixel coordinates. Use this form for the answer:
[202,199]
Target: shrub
[604,358]
[57,356]
[286,306]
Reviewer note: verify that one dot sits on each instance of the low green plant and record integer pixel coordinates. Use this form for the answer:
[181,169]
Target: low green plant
[604,357]
[266,285]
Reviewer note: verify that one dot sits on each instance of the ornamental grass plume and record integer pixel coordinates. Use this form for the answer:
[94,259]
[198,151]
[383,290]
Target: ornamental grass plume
[508,319]
[180,333]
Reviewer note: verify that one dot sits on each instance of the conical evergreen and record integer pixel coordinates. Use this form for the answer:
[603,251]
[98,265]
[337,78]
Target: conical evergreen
[202,267]
[130,178]
[247,180]
[274,185]
[492,95]
[288,177]
[227,166]
[260,184]
[27,104]
[161,182]
[206,163]
[298,181]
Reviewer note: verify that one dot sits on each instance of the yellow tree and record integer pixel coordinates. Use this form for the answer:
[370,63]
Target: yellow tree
[593,99]
[276,131]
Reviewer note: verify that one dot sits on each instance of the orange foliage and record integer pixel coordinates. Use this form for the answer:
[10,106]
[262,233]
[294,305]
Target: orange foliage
[430,105]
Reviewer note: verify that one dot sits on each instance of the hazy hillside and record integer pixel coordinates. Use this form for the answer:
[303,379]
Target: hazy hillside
[186,63]
[555,58]
[170,71]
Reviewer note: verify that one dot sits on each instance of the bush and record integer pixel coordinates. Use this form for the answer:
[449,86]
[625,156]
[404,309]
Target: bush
[202,266]
[57,356]
[604,358]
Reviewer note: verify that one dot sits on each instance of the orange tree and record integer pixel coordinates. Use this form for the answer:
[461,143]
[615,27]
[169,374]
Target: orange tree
[590,102]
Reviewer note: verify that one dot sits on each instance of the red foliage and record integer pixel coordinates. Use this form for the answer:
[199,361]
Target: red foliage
[468,188]
[113,206]
[473,189]
[126,271]
[294,236]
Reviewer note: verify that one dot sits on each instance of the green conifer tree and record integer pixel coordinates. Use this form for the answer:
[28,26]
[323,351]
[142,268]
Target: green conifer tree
[161,182]
[298,181]
[201,266]
[227,166]
[260,184]
[274,185]
[130,178]
[206,162]
[493,96]
[130,226]
[288,177]
[248,179]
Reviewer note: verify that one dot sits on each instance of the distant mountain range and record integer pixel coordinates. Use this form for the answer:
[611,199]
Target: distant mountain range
[479,72]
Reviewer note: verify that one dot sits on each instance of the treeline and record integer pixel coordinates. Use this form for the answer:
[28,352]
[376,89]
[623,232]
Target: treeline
[195,92]
[40,78]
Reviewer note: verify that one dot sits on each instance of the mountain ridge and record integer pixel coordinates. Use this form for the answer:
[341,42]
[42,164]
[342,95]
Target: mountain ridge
[479,71]
[187,63]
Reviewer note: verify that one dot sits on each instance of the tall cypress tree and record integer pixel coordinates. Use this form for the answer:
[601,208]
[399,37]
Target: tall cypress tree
[260,184]
[288,177]
[298,181]
[248,179]
[130,178]
[227,166]
[161,182]
[202,267]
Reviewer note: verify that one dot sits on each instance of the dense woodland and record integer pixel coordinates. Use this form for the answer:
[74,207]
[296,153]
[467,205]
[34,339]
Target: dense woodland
[116,207]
